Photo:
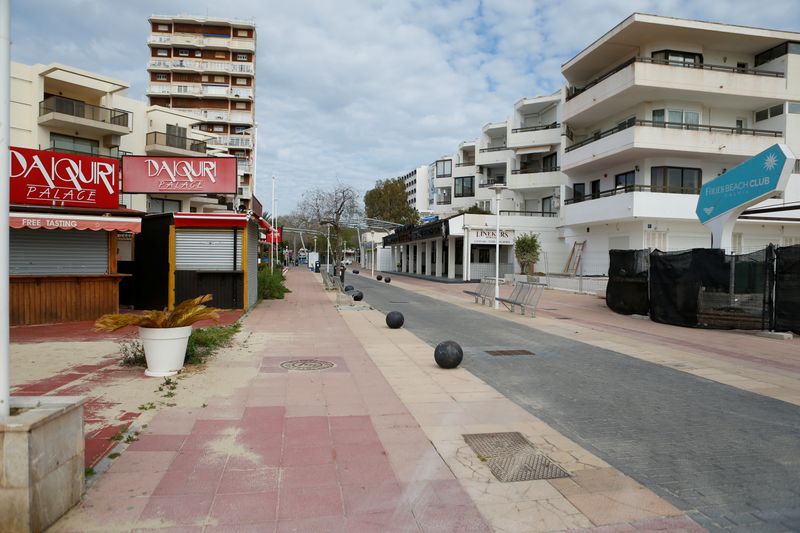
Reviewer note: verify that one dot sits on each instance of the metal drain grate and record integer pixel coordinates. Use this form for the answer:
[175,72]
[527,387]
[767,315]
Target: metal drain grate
[511,457]
[509,352]
[306,365]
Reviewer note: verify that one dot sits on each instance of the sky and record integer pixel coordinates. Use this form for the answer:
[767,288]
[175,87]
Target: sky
[360,90]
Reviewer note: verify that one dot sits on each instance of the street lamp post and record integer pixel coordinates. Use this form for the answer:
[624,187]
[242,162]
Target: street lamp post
[498,189]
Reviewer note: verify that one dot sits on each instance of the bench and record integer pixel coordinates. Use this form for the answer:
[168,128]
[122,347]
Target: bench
[525,296]
[485,291]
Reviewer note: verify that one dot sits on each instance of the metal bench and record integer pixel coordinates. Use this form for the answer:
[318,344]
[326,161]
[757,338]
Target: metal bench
[485,291]
[525,296]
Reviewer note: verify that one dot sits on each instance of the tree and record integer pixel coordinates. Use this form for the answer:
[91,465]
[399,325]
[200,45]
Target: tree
[329,207]
[387,201]
[527,248]
[474,210]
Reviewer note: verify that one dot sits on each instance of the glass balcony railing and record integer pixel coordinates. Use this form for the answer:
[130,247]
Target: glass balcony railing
[76,108]
[176,141]
[632,188]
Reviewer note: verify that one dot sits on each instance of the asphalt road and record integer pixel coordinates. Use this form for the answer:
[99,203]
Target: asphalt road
[727,457]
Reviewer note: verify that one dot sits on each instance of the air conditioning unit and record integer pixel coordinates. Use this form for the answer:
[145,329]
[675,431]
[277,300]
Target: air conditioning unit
[111,141]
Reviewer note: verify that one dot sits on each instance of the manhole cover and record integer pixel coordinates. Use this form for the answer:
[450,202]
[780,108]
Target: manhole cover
[305,365]
[509,352]
[511,457]
[393,302]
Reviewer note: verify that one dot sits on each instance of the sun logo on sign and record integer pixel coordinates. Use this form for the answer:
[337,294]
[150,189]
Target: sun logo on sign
[770,161]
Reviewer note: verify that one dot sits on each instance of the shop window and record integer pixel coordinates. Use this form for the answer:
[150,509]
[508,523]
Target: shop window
[483,255]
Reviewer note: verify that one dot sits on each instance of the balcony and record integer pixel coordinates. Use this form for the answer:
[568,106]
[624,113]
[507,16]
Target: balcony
[73,115]
[159,88]
[535,178]
[244,192]
[493,155]
[241,117]
[243,166]
[644,79]
[215,90]
[243,93]
[79,148]
[188,64]
[233,141]
[489,183]
[158,143]
[631,202]
[636,139]
[192,39]
[545,135]
[443,201]
[242,68]
[462,170]
[159,64]
[186,90]
[546,214]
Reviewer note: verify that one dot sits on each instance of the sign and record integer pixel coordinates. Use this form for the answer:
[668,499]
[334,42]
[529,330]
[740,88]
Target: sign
[41,177]
[724,198]
[489,236]
[274,235]
[77,222]
[179,175]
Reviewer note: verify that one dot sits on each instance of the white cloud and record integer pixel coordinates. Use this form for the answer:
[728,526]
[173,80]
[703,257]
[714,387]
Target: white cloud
[363,90]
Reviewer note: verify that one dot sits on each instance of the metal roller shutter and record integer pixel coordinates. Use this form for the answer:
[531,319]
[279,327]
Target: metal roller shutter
[252,264]
[207,249]
[55,251]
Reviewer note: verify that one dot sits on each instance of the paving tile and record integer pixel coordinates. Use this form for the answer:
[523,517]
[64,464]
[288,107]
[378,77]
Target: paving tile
[254,458]
[373,498]
[366,472]
[327,524]
[197,460]
[358,451]
[350,423]
[157,443]
[450,518]
[195,481]
[310,502]
[266,527]
[263,479]
[263,414]
[309,476]
[133,461]
[129,484]
[213,427]
[174,529]
[245,508]
[307,456]
[185,509]
[604,508]
[401,520]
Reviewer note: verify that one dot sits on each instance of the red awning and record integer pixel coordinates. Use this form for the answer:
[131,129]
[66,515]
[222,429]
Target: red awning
[210,220]
[79,222]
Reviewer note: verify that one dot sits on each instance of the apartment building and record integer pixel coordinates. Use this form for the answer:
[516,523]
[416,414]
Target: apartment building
[205,67]
[659,106]
[417,189]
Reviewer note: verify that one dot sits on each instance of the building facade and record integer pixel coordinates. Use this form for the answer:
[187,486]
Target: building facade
[206,68]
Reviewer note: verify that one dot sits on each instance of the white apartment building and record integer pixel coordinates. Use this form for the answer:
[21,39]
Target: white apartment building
[651,111]
[417,185]
[206,67]
[659,106]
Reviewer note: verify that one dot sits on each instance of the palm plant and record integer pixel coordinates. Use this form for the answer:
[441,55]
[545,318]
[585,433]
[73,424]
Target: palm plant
[185,313]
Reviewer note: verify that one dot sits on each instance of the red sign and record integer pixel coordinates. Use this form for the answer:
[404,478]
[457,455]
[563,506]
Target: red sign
[40,177]
[179,175]
[79,222]
[275,235]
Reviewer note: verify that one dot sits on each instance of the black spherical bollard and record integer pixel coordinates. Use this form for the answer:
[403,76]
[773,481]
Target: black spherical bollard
[349,288]
[355,271]
[387,279]
[395,319]
[448,354]
[379,277]
[357,296]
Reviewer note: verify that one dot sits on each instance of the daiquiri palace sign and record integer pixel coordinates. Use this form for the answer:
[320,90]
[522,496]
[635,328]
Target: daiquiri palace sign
[189,175]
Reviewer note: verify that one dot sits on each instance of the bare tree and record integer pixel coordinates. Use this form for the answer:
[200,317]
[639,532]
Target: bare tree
[330,207]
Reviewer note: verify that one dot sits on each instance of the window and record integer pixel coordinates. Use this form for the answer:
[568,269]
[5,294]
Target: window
[677,117]
[198,53]
[741,123]
[483,255]
[464,187]
[162,77]
[241,33]
[547,205]
[219,55]
[674,57]
[160,205]
[776,52]
[627,123]
[740,66]
[241,81]
[626,180]
[676,180]
[793,108]
[240,105]
[444,168]
[770,112]
[658,116]
[242,57]
[219,79]
[162,52]
[218,128]
[550,162]
[183,53]
[578,192]
[162,27]
[595,188]
[204,78]
[70,144]
[239,129]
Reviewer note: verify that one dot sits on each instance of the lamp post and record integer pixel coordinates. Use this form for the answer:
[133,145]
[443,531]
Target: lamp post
[498,189]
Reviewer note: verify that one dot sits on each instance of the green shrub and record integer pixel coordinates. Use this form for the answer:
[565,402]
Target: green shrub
[271,284]
[204,342]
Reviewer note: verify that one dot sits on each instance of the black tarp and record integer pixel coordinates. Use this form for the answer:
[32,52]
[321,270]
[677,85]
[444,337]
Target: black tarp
[787,288]
[626,292]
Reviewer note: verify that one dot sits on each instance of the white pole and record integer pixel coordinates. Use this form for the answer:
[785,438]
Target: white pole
[5,114]
[497,251]
[328,252]
[272,232]
[374,253]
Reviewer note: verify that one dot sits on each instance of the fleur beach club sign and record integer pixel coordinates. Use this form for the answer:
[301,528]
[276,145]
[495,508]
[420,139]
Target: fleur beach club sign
[41,177]
[181,175]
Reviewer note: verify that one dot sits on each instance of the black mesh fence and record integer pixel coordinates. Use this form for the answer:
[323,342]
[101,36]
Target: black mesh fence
[707,288]
[626,292]
[787,288]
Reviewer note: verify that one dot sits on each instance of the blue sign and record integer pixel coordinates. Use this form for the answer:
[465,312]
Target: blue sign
[754,180]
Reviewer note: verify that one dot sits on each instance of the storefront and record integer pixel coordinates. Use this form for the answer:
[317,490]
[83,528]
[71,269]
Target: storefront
[64,219]
[184,255]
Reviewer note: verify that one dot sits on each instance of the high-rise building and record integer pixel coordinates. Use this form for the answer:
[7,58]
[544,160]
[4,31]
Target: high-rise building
[206,67]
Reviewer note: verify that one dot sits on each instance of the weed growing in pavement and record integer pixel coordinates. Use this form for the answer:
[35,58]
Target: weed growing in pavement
[168,394]
[88,472]
[147,406]
[118,436]
[132,353]
[130,438]
[114,455]
[205,342]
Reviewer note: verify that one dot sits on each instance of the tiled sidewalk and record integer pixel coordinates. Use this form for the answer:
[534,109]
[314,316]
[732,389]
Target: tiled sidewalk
[332,450]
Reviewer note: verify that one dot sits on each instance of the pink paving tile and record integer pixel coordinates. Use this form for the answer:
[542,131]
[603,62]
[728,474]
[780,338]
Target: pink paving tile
[185,509]
[158,443]
[257,438]
[308,476]
[176,529]
[355,436]
[252,508]
[366,472]
[306,423]
[263,479]
[172,422]
[129,484]
[451,518]
[197,481]
[357,451]
[267,527]
[259,414]
[400,520]
[224,412]
[203,441]
[360,499]
[196,460]
[213,427]
[310,502]
[255,458]
[133,461]
[327,524]
[312,438]
[307,456]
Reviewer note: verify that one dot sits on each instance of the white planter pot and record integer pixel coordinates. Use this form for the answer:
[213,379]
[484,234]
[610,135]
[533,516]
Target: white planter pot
[164,349]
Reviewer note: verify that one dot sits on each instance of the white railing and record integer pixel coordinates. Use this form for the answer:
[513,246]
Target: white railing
[245,68]
[239,141]
[213,114]
[215,90]
[240,92]
[187,89]
[244,167]
[216,66]
[159,39]
[159,63]
[186,63]
[241,117]
[158,89]
[244,191]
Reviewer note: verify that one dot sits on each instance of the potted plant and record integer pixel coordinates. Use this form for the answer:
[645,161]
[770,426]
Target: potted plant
[527,248]
[164,334]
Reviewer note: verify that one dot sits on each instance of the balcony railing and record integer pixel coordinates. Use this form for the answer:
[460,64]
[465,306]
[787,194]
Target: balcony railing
[159,63]
[240,141]
[548,214]
[535,170]
[176,141]
[674,125]
[240,92]
[466,164]
[243,166]
[443,201]
[572,92]
[159,89]
[523,129]
[187,63]
[633,188]
[76,108]
[68,147]
[489,183]
[494,149]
